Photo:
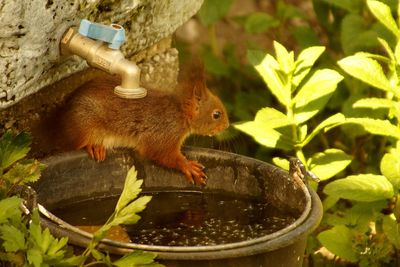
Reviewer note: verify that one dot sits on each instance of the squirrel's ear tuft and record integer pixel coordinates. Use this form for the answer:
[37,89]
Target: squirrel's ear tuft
[192,79]
[199,91]
[192,71]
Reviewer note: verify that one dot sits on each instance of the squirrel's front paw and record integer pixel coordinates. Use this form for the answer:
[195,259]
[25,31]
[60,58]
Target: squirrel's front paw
[194,172]
[97,152]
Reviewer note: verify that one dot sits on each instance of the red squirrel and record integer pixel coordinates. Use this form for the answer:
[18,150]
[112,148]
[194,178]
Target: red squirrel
[96,119]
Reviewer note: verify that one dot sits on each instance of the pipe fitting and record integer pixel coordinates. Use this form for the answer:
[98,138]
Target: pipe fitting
[98,54]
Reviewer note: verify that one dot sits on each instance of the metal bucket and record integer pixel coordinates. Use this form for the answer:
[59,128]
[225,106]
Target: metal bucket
[75,176]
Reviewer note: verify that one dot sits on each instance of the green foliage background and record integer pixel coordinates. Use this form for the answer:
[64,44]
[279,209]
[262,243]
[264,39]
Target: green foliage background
[324,87]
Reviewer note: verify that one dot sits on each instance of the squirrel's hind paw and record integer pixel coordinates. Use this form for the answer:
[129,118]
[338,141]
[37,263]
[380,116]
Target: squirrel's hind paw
[194,172]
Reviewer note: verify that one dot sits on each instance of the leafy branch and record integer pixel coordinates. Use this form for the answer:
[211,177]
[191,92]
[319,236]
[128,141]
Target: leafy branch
[303,92]
[23,242]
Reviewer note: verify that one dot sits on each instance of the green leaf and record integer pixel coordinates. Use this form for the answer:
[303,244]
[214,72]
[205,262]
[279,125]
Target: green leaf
[329,202]
[383,13]
[13,238]
[386,46]
[255,57]
[363,187]
[397,52]
[35,231]
[214,64]
[26,172]
[302,132]
[377,57]
[351,6]
[378,127]
[280,162]
[265,135]
[57,245]
[286,11]
[136,258]
[390,167]
[259,22]
[284,58]
[360,215]
[367,70]
[13,148]
[273,118]
[329,163]
[305,61]
[35,257]
[374,103]
[9,208]
[97,254]
[338,240]
[125,215]
[212,11]
[391,229]
[327,124]
[305,36]
[46,240]
[314,94]
[267,69]
[131,189]
[354,36]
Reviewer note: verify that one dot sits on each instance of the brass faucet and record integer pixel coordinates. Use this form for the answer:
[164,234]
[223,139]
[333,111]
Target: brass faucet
[102,51]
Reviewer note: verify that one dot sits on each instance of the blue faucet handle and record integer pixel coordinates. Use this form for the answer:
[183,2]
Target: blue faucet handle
[113,34]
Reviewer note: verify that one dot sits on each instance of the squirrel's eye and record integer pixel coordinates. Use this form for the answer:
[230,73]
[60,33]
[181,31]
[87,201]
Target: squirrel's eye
[216,114]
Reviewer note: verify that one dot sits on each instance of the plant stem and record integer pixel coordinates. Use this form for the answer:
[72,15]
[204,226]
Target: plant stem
[301,157]
[213,40]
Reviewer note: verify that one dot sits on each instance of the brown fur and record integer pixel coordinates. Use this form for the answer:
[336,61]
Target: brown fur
[96,119]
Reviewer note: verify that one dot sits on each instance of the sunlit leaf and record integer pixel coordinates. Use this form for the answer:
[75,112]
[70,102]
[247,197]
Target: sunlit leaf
[391,229]
[329,163]
[390,167]
[284,57]
[328,123]
[397,52]
[383,13]
[131,189]
[267,69]
[137,258]
[367,70]
[374,103]
[265,135]
[306,60]
[378,127]
[314,94]
[273,118]
[363,187]
[13,238]
[386,46]
[280,162]
[338,240]
[329,202]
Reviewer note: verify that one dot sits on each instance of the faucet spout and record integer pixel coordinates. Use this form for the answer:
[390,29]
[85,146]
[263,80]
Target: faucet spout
[98,54]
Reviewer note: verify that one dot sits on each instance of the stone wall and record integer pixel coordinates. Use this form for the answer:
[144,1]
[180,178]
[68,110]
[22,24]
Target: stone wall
[30,33]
